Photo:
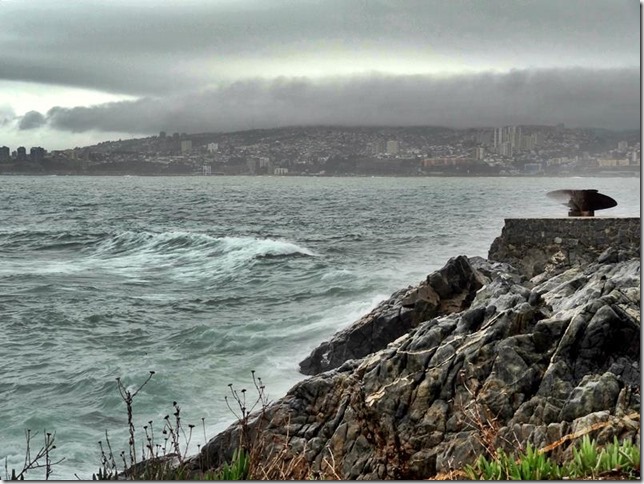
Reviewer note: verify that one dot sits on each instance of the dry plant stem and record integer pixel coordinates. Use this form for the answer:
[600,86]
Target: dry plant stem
[188,438]
[48,442]
[244,412]
[177,430]
[31,463]
[128,398]
[332,465]
[487,427]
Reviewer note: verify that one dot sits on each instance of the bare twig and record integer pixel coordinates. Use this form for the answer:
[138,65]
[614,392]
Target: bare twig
[128,397]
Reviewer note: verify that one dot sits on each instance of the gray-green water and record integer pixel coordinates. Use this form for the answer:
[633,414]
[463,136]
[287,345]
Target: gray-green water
[203,279]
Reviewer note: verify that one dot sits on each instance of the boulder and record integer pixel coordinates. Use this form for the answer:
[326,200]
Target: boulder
[445,291]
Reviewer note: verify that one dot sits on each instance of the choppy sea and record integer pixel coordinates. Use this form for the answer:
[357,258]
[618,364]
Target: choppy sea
[203,279]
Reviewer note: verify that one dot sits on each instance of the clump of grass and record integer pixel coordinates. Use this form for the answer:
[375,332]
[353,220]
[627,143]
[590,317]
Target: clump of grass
[530,465]
[589,461]
[237,470]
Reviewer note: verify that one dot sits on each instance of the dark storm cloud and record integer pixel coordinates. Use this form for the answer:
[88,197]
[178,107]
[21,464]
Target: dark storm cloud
[152,48]
[577,97]
[31,120]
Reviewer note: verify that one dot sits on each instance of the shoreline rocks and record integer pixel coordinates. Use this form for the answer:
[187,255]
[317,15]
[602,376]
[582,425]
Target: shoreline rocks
[478,356]
[445,291]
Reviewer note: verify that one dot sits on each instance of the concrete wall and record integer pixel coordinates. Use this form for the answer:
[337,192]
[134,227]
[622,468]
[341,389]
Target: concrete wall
[537,244]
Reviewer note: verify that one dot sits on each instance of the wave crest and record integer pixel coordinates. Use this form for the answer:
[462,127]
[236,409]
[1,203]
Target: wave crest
[181,242]
[188,256]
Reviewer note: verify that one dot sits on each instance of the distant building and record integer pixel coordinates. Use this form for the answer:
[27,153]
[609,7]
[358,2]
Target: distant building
[506,149]
[162,134]
[5,154]
[392,147]
[37,153]
[622,146]
[207,170]
[528,142]
[612,162]
[498,138]
[479,153]
[21,153]
[376,147]
[186,145]
[514,137]
[635,158]
[212,147]
[280,171]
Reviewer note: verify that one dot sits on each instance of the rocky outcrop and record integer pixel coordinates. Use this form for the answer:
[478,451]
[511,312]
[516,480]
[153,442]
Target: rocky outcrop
[520,361]
[445,291]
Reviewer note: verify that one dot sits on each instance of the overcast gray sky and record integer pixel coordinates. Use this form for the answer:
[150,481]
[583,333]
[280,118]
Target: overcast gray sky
[75,72]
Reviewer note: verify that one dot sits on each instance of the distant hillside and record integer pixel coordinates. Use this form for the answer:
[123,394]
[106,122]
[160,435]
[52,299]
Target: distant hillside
[248,137]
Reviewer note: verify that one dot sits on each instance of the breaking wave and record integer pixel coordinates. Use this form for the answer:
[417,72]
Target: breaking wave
[182,243]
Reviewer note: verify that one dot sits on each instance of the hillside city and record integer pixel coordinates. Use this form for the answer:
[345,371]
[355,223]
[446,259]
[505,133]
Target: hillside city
[347,151]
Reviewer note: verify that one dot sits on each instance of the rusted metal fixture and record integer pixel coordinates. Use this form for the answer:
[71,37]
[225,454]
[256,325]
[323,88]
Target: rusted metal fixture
[582,203]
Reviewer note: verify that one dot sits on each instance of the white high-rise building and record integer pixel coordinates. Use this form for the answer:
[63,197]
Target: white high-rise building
[506,149]
[498,137]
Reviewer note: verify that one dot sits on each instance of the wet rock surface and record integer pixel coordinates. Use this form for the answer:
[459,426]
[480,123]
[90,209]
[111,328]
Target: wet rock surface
[480,357]
[445,291]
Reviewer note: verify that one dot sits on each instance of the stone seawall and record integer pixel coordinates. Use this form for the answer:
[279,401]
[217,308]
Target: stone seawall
[534,245]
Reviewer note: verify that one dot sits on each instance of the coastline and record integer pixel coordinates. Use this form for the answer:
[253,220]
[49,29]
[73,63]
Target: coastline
[603,174]
[483,342]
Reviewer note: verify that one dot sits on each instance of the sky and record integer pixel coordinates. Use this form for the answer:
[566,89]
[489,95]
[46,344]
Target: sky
[77,72]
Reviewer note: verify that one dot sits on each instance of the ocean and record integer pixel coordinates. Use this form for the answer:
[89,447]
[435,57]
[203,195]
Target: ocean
[203,279]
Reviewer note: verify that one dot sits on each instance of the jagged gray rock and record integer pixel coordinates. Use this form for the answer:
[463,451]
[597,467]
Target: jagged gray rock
[445,291]
[521,361]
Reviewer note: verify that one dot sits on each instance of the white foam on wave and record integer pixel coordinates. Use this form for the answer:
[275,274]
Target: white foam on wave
[187,255]
[252,247]
[338,275]
[178,241]
[175,254]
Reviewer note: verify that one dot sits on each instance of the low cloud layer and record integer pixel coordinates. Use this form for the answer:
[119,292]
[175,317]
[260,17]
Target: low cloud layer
[159,48]
[31,120]
[578,97]
[199,65]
